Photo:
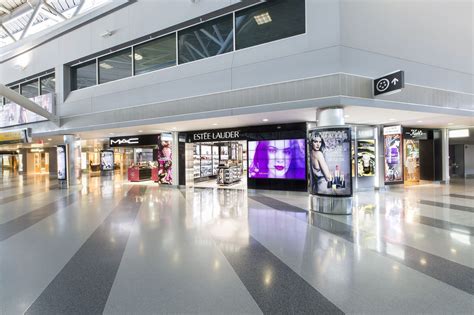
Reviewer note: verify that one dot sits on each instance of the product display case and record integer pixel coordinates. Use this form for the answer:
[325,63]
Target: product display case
[197,161]
[138,173]
[229,174]
[215,159]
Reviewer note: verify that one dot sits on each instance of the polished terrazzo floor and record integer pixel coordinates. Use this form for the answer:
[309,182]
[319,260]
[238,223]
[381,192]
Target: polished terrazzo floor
[106,247]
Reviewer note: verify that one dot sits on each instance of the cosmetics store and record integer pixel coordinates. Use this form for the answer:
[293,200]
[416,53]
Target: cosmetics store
[412,155]
[144,157]
[263,157]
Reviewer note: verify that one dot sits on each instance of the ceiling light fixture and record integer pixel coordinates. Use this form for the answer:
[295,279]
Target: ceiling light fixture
[140,131]
[459,133]
[138,56]
[419,121]
[392,119]
[215,124]
[105,65]
[49,139]
[263,18]
[265,119]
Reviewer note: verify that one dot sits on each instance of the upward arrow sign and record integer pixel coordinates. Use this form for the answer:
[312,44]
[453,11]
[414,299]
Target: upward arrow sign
[394,81]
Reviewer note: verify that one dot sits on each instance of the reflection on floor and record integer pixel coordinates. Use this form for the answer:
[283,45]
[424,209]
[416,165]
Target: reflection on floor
[242,184]
[110,247]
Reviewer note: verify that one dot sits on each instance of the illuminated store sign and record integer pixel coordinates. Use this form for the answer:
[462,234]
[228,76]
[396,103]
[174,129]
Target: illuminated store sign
[218,135]
[133,141]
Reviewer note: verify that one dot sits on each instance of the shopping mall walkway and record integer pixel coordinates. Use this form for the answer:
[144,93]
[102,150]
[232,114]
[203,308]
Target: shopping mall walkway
[115,248]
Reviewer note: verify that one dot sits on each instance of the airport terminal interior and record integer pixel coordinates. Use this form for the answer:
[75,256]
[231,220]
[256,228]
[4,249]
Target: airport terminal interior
[236,157]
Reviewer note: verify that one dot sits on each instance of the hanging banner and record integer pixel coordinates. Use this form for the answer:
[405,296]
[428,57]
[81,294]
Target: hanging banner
[330,161]
[366,158]
[393,155]
[62,161]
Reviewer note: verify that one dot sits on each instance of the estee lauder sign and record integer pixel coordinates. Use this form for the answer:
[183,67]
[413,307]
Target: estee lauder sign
[216,135]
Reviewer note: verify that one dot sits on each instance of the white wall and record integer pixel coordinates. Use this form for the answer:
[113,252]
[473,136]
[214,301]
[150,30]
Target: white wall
[431,40]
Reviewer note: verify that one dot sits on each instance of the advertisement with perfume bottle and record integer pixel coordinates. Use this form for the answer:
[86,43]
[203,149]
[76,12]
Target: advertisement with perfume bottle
[365,158]
[393,154]
[330,161]
[62,162]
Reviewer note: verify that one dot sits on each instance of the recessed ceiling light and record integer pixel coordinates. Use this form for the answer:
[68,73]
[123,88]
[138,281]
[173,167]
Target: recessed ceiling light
[450,123]
[392,119]
[140,130]
[215,124]
[347,116]
[49,139]
[174,128]
[419,121]
[265,119]
[262,18]
[111,133]
[105,65]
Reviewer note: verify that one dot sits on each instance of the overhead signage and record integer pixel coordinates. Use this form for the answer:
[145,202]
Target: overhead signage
[134,141]
[217,135]
[16,136]
[389,83]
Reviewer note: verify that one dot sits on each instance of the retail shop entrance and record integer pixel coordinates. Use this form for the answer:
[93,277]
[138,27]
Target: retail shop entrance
[220,164]
[257,157]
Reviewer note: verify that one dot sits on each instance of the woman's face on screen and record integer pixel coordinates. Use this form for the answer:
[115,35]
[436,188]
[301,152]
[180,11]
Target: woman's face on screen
[279,158]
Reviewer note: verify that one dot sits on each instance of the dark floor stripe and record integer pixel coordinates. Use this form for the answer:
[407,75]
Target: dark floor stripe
[275,287]
[84,284]
[26,194]
[445,225]
[449,272]
[446,205]
[11,187]
[461,196]
[17,225]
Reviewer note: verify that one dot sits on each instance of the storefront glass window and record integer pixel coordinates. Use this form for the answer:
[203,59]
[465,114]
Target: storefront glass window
[47,84]
[205,40]
[15,88]
[156,54]
[115,66]
[83,75]
[30,89]
[269,21]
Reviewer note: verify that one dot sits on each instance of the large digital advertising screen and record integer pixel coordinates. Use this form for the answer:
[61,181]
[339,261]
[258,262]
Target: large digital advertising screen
[12,114]
[330,161]
[393,154]
[281,159]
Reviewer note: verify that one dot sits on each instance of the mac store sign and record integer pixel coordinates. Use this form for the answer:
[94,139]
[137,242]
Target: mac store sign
[133,141]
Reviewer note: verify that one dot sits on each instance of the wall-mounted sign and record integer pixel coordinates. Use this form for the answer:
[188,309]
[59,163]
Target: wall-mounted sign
[415,133]
[134,141]
[389,83]
[16,136]
[107,160]
[62,161]
[216,135]
[393,154]
[330,161]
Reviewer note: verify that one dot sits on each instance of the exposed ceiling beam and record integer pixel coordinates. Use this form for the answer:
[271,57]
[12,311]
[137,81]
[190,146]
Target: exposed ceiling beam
[34,14]
[51,16]
[7,32]
[20,10]
[27,104]
[5,10]
[79,7]
[56,12]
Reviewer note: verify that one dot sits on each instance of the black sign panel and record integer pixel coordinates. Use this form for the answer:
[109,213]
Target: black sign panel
[390,83]
[415,133]
[134,141]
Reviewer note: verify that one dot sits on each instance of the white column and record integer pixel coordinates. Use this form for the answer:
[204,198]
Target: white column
[175,159]
[445,155]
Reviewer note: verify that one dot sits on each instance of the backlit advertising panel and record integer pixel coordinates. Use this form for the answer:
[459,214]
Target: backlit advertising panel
[393,155]
[330,161]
